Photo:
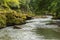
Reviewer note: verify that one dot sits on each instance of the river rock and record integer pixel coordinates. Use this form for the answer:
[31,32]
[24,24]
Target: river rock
[16,27]
[28,17]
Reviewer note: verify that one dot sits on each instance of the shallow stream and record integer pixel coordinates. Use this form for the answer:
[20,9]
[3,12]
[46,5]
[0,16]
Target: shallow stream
[35,29]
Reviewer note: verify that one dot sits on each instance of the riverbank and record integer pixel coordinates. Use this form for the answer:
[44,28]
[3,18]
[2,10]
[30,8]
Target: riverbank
[12,17]
[40,16]
[26,21]
[34,29]
[26,18]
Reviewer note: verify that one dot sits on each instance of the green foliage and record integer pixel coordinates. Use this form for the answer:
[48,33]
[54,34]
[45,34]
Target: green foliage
[17,11]
[2,21]
[13,12]
[40,6]
[24,6]
[9,3]
[14,18]
[13,4]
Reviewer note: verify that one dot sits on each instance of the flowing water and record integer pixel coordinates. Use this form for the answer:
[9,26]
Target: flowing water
[35,29]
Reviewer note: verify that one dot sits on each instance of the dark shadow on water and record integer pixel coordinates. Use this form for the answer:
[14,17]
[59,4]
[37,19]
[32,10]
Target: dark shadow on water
[48,33]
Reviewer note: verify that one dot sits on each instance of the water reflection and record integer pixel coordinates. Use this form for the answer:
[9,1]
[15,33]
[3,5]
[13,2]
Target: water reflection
[48,33]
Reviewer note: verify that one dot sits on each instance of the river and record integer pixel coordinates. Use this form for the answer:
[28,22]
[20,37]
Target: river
[34,29]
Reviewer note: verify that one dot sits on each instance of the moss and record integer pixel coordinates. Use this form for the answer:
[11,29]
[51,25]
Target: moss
[11,14]
[2,21]
[15,18]
[12,17]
